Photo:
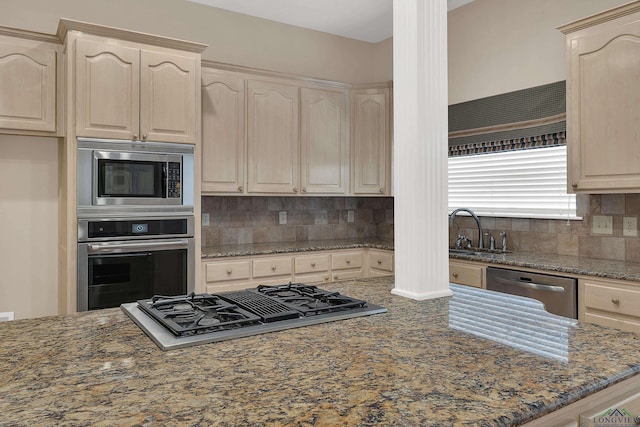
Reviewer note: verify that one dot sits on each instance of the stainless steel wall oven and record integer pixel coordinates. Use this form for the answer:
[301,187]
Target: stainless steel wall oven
[124,260]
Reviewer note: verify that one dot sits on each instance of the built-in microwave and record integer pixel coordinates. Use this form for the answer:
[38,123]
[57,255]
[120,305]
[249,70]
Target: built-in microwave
[128,177]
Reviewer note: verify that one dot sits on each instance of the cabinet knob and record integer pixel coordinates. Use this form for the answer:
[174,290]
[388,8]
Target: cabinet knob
[229,271]
[304,189]
[144,136]
[134,136]
[454,274]
[335,276]
[616,301]
[379,261]
[381,190]
[313,264]
[240,189]
[326,278]
[295,190]
[574,184]
[348,261]
[273,268]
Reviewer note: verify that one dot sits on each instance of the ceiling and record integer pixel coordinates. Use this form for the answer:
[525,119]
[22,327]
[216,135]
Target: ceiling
[366,20]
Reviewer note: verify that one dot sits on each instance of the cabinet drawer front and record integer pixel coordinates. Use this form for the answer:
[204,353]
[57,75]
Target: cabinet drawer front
[465,275]
[624,324]
[271,267]
[313,278]
[614,300]
[234,270]
[347,275]
[346,260]
[381,261]
[311,264]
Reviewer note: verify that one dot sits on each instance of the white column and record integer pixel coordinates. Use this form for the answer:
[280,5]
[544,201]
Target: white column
[420,148]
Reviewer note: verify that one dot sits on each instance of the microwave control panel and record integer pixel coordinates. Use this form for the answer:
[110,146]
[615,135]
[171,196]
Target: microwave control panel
[174,177]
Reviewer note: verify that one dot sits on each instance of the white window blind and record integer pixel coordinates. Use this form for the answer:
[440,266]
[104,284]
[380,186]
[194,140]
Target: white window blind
[518,184]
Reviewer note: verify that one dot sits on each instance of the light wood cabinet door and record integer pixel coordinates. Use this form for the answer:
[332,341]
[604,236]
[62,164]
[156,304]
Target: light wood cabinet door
[27,85]
[223,132]
[107,90]
[323,141]
[603,111]
[272,138]
[370,141]
[168,96]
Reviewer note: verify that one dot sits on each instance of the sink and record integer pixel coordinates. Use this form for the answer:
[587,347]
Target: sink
[476,251]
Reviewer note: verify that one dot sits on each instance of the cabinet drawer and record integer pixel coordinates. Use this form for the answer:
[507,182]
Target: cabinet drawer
[313,278]
[229,270]
[381,261]
[311,264]
[612,299]
[347,275]
[346,260]
[272,267]
[463,274]
[625,324]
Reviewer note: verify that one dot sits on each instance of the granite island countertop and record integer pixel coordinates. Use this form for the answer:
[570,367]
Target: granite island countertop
[409,366]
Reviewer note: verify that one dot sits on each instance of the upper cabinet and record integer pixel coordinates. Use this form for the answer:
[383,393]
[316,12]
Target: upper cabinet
[272,138]
[28,84]
[323,141]
[370,141]
[223,131]
[603,101]
[131,91]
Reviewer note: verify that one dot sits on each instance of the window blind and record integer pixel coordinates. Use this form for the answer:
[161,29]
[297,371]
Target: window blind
[517,184]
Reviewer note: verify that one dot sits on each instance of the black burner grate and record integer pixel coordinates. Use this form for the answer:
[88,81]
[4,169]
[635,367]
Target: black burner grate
[268,309]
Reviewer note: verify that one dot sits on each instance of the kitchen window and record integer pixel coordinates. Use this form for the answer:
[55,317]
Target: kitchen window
[528,183]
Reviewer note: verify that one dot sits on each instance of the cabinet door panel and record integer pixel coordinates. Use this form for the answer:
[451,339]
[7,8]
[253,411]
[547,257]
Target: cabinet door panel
[107,87]
[323,148]
[272,140]
[27,86]
[603,113]
[223,134]
[168,97]
[370,143]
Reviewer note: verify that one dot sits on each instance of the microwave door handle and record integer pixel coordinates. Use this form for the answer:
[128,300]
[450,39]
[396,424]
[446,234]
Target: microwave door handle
[94,248]
[533,285]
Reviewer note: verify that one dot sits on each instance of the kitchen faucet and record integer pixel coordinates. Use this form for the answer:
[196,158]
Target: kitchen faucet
[475,217]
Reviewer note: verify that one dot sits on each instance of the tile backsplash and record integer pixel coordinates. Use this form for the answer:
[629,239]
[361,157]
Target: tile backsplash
[565,237]
[255,219]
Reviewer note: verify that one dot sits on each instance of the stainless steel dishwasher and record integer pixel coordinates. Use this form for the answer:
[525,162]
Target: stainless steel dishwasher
[558,294]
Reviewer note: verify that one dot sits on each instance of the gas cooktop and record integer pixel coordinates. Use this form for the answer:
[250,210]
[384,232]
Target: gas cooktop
[186,320]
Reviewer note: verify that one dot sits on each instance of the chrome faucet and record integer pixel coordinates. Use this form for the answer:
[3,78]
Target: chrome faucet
[475,217]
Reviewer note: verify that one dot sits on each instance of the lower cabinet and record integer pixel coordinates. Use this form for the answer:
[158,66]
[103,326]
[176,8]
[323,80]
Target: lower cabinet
[469,274]
[609,303]
[234,273]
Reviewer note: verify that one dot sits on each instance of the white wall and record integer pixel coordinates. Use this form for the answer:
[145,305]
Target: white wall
[498,46]
[232,38]
[28,226]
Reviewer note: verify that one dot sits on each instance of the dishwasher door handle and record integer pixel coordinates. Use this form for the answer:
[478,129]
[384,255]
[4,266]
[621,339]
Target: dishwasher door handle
[532,285]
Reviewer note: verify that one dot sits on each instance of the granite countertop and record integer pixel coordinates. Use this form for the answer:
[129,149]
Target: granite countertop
[415,365]
[609,269]
[288,247]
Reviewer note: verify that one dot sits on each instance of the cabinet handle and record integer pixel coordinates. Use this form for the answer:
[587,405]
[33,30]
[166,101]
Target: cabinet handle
[295,190]
[304,189]
[240,189]
[313,264]
[229,271]
[574,184]
[616,301]
[144,136]
[134,136]
[454,274]
[379,261]
[381,190]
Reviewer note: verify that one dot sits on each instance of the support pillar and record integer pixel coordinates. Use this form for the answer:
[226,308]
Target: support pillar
[420,148]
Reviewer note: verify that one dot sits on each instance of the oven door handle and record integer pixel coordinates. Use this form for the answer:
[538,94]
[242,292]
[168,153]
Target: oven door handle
[105,248]
[533,285]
